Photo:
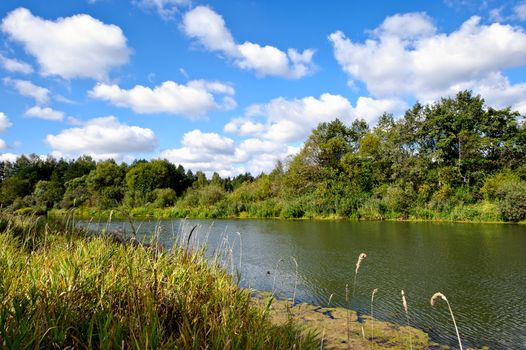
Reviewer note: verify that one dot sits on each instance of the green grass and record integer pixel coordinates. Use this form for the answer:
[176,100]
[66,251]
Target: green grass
[62,288]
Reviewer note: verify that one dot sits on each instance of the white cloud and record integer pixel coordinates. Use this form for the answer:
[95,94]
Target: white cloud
[211,152]
[4,122]
[371,109]
[500,93]
[70,47]
[407,26]
[520,11]
[102,138]
[165,8]
[210,30]
[194,99]
[8,157]
[207,152]
[28,89]
[15,66]
[283,120]
[45,113]
[403,60]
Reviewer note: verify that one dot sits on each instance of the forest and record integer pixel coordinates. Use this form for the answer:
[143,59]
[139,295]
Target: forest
[456,159]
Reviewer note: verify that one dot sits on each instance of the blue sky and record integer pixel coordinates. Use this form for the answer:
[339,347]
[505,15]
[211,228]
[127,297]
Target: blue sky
[234,86]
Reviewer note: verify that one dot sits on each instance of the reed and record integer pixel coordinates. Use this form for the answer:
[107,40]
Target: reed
[92,291]
[323,331]
[406,309]
[372,312]
[439,295]
[295,280]
[361,257]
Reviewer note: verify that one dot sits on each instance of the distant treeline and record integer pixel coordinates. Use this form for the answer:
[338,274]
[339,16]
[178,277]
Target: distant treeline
[456,159]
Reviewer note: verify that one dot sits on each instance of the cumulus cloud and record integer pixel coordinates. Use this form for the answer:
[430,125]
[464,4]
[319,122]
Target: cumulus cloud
[15,66]
[193,99]
[405,56]
[28,89]
[500,93]
[209,29]
[287,121]
[4,122]
[371,109]
[79,46]
[102,138]
[8,157]
[44,113]
[165,8]
[207,152]
[211,152]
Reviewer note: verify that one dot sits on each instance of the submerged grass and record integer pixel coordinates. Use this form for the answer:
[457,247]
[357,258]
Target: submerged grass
[61,288]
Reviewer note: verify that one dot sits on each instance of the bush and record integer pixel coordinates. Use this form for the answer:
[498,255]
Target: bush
[513,205]
[510,192]
[292,211]
[164,197]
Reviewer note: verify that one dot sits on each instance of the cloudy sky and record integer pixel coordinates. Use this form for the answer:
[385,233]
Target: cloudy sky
[233,86]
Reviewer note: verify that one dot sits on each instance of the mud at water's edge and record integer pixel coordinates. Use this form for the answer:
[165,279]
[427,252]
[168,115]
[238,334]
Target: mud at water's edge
[330,324]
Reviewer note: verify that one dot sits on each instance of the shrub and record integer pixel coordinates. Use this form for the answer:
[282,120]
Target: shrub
[292,211]
[513,205]
[164,197]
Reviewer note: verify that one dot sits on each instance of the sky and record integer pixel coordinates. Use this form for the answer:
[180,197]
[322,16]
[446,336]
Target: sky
[234,86]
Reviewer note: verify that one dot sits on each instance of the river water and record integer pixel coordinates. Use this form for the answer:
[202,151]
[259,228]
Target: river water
[481,268]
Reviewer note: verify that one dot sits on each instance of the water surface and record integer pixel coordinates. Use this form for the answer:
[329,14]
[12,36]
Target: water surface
[479,267]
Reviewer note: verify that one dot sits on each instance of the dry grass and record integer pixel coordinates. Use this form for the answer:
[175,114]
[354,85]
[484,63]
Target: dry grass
[443,297]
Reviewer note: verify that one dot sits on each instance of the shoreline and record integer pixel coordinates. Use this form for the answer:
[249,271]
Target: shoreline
[330,323]
[107,214]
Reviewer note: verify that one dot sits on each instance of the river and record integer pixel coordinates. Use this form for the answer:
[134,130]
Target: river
[481,268]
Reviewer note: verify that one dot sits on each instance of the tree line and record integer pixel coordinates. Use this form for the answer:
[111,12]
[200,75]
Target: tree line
[456,159]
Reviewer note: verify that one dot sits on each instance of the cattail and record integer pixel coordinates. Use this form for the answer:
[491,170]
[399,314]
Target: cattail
[404,302]
[372,314]
[443,297]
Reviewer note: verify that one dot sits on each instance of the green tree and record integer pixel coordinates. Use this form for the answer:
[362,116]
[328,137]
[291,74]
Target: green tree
[105,183]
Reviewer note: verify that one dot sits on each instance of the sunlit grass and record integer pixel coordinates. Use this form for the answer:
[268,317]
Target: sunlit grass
[61,288]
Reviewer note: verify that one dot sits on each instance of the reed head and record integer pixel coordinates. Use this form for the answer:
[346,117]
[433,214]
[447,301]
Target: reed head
[436,296]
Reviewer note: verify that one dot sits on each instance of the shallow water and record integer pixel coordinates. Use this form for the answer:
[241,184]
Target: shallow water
[479,267]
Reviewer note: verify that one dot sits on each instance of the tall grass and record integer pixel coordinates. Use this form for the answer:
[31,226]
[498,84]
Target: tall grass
[83,291]
[372,312]
[406,309]
[361,257]
[443,297]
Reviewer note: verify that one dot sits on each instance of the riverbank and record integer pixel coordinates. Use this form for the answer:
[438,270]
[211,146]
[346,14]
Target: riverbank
[366,333]
[145,213]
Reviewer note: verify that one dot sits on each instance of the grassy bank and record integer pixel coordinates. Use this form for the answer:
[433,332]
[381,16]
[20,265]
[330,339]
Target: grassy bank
[60,288]
[484,212]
